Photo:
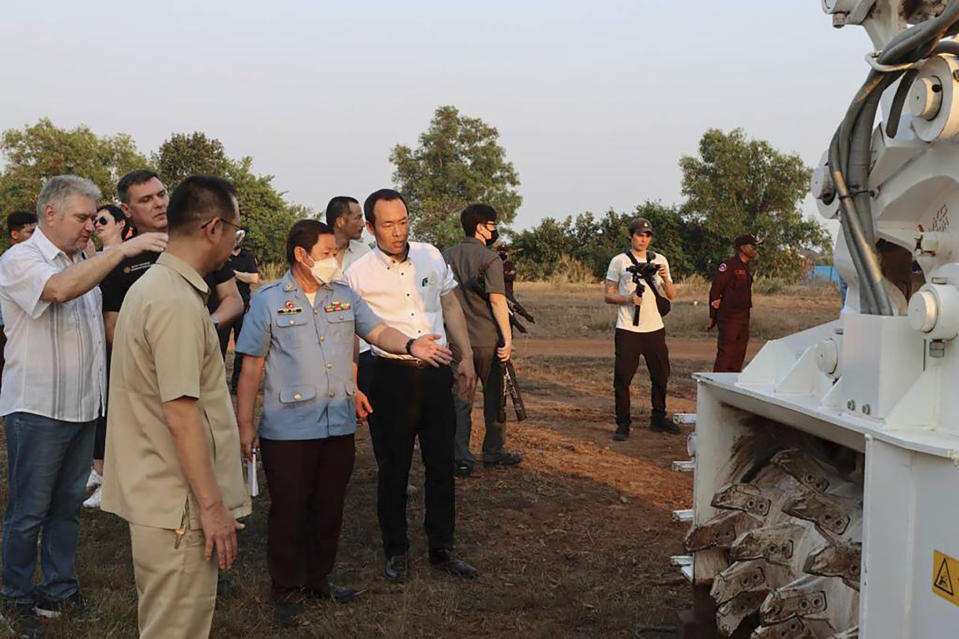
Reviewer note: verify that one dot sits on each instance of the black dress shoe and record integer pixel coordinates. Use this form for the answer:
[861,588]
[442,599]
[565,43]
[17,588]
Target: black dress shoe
[621,434]
[503,459]
[445,561]
[336,594]
[286,614]
[397,569]
[463,469]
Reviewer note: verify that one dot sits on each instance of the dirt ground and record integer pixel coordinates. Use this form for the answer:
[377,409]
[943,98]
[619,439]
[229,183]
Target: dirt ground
[575,542]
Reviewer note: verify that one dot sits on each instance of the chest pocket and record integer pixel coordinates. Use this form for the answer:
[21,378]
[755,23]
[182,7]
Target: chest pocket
[294,328]
[740,279]
[341,323]
[429,290]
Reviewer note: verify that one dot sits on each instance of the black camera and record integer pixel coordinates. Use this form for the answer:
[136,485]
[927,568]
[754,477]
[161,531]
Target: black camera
[640,271]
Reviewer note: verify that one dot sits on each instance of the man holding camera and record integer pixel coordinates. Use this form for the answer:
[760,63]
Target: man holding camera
[638,282]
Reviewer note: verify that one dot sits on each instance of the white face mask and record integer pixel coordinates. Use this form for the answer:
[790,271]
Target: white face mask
[325,270]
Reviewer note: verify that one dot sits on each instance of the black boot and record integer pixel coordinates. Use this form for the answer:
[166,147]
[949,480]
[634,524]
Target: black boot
[622,433]
[660,423]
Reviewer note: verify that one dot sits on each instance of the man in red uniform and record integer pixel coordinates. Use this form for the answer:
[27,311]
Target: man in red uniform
[730,298]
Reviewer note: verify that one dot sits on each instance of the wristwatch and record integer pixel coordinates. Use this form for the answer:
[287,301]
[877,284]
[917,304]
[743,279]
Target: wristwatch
[409,346]
[215,320]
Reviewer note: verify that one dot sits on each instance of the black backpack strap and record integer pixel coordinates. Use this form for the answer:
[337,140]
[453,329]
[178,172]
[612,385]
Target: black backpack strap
[632,258]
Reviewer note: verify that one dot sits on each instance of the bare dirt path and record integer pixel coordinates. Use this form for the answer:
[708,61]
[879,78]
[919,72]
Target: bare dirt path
[679,348]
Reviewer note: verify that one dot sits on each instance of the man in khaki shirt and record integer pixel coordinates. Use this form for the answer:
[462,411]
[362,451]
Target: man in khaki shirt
[172,466]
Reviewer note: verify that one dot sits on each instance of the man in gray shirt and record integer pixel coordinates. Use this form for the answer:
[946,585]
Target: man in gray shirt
[482,294]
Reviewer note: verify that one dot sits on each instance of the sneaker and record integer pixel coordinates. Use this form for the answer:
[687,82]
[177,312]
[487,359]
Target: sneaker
[94,500]
[94,480]
[19,618]
[76,606]
[621,434]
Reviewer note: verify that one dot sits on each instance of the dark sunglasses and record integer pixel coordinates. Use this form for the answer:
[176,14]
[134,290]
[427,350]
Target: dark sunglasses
[100,221]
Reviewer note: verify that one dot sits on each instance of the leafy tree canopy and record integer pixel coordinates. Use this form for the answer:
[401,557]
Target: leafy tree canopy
[458,162]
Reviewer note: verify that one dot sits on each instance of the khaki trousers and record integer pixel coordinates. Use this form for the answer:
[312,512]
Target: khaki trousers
[176,586]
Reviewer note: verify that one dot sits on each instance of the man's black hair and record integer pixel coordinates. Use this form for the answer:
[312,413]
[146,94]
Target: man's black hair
[338,207]
[476,214]
[18,219]
[133,178]
[115,212]
[305,234]
[199,198]
[387,195]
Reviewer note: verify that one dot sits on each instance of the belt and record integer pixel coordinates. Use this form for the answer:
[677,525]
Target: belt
[408,363]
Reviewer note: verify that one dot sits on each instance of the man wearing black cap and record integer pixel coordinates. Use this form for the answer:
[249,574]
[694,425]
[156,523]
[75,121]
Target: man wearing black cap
[639,327]
[730,298]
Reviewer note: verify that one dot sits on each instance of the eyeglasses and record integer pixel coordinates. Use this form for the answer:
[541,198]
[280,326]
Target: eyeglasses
[100,221]
[240,231]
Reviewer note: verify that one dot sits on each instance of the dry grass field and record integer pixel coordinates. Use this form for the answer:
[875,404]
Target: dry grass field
[574,542]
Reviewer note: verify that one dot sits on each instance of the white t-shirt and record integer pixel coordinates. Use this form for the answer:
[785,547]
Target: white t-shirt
[649,317]
[405,295]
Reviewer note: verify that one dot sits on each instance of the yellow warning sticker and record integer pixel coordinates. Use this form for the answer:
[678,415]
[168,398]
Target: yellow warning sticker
[945,576]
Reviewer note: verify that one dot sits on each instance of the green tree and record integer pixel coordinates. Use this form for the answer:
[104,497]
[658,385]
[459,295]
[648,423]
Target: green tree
[38,152]
[266,215]
[182,155]
[737,185]
[459,161]
[594,241]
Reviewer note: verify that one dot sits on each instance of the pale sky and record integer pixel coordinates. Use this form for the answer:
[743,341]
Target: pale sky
[595,101]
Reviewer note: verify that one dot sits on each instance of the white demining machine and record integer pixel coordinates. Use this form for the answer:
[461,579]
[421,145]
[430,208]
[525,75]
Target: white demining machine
[826,491]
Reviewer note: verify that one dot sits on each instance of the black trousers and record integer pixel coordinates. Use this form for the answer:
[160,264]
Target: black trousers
[307,481]
[629,347]
[237,357]
[411,402]
[364,371]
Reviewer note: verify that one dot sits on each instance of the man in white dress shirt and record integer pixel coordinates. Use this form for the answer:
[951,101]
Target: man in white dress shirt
[54,383]
[410,287]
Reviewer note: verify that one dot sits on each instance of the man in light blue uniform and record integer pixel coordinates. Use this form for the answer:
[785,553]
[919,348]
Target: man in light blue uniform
[301,332]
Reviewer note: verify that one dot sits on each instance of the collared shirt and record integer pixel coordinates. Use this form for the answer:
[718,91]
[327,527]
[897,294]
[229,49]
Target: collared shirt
[55,353]
[308,387]
[165,348]
[467,259]
[649,317]
[406,295]
[733,287]
[353,251]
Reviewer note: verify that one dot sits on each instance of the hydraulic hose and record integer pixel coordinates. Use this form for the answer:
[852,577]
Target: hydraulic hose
[849,151]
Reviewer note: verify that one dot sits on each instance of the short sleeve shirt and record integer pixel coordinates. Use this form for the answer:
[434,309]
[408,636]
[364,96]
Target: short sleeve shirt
[244,262]
[467,259]
[165,347]
[405,295]
[214,279]
[308,386]
[649,317]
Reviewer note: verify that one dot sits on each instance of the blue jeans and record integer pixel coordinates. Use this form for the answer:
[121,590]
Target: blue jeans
[48,462]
